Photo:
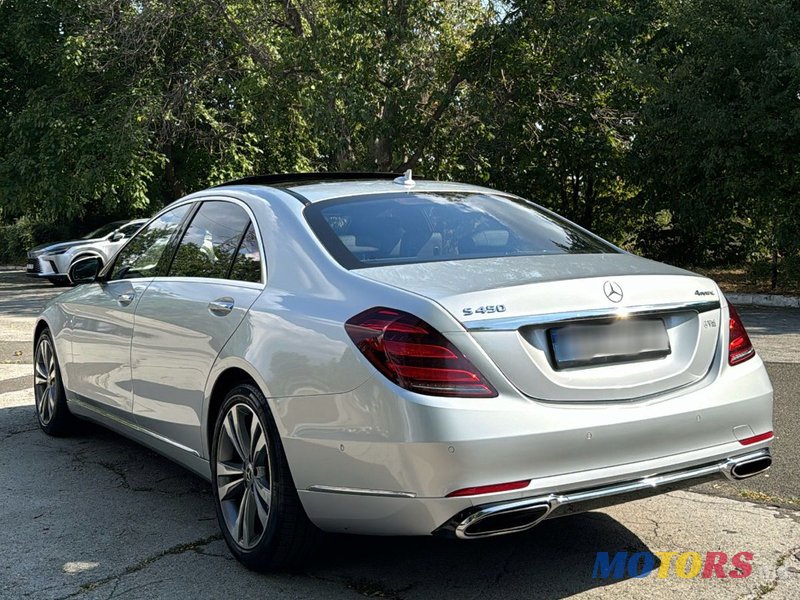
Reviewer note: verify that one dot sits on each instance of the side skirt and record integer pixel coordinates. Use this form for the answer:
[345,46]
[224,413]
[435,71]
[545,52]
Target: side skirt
[184,456]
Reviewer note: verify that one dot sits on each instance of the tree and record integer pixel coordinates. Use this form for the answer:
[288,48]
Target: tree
[719,144]
[559,102]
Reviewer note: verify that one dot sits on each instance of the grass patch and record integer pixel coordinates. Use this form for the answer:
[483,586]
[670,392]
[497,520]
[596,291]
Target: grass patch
[768,498]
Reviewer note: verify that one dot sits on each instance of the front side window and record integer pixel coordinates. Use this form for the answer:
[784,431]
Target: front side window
[142,255]
[420,227]
[211,241]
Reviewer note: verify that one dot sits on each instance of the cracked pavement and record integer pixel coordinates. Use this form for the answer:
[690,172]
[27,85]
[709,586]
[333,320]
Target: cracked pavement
[96,516]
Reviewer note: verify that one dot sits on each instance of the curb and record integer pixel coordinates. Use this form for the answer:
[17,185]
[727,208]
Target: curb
[767,300]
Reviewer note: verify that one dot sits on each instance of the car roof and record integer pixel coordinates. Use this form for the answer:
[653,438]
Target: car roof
[317,187]
[318,192]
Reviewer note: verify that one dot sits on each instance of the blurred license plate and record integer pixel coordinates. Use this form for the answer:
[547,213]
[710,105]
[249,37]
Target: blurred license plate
[589,344]
[31,267]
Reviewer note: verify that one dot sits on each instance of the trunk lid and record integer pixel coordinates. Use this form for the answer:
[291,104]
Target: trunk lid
[569,327]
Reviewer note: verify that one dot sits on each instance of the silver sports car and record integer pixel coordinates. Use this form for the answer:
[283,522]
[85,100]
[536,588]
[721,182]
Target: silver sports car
[378,355]
[54,261]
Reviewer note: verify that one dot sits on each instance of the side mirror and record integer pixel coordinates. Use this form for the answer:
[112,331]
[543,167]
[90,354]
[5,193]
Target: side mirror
[85,270]
[117,236]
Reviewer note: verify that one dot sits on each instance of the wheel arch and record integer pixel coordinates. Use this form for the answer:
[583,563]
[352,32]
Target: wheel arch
[225,376]
[41,325]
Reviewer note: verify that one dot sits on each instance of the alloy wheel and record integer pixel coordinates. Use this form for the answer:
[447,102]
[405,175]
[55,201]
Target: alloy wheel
[44,381]
[244,475]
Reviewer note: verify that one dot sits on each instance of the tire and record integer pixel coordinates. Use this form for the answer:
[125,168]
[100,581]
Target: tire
[256,482]
[52,411]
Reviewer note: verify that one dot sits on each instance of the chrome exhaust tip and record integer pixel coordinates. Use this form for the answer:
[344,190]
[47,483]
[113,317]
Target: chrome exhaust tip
[510,516]
[499,520]
[747,468]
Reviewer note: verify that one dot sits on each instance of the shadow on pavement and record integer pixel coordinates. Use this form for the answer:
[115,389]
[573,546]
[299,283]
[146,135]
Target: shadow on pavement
[553,560]
[101,500]
[23,296]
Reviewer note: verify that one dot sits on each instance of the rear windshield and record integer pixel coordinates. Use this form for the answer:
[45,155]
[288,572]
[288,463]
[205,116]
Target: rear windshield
[419,227]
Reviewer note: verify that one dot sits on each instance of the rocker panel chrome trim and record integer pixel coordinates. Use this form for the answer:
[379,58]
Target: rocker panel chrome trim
[131,425]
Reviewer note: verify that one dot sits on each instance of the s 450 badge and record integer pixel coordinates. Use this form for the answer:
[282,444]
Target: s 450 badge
[484,310]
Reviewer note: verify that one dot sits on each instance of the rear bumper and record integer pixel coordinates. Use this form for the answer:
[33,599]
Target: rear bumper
[375,512]
[518,515]
[379,461]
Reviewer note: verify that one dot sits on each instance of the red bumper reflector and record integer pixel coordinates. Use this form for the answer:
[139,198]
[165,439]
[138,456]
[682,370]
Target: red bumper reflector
[490,489]
[756,438]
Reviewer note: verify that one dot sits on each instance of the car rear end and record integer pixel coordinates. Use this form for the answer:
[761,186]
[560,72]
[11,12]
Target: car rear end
[538,383]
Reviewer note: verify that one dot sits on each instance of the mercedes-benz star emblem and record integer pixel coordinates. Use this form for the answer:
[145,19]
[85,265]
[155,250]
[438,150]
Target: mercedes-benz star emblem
[613,291]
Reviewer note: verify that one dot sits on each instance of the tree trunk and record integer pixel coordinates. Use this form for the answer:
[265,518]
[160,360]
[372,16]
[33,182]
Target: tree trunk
[576,197]
[563,190]
[588,203]
[174,185]
[774,270]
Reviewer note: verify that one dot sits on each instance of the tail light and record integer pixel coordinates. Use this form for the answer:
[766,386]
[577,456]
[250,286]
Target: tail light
[740,348]
[414,355]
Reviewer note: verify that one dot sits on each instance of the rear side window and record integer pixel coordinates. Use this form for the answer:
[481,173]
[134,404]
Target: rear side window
[247,264]
[423,227]
[211,241]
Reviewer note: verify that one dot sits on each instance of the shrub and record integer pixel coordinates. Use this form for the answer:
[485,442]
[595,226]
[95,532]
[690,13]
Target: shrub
[16,239]
[14,243]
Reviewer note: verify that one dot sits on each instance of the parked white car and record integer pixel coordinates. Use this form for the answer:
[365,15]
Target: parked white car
[368,355]
[53,261]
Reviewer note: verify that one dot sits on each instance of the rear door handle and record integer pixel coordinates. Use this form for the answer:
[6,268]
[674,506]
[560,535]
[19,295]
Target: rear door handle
[125,299]
[220,306]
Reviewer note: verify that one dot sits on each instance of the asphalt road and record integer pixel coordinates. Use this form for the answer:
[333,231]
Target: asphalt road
[96,516]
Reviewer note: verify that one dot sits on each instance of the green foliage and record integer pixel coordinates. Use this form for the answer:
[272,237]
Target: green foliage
[719,144]
[14,243]
[671,127]
[16,239]
[558,101]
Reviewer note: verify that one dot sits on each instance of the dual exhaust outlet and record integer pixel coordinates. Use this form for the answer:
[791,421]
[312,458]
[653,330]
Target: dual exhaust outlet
[519,515]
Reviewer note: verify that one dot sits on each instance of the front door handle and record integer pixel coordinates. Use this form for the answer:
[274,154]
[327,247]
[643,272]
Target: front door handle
[125,299]
[220,306]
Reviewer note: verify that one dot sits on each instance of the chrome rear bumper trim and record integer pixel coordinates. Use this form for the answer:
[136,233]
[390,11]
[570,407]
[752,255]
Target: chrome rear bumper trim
[621,312]
[332,489]
[594,498]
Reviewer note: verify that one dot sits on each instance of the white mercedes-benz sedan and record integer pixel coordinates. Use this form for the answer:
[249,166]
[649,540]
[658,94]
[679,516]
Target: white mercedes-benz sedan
[378,355]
